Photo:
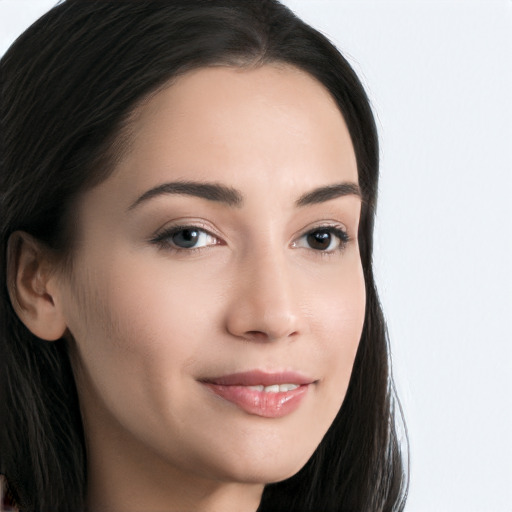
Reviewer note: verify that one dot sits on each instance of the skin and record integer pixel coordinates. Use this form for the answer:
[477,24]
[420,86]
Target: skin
[147,321]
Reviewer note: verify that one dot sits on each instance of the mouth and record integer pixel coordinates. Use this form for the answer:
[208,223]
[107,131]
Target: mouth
[269,395]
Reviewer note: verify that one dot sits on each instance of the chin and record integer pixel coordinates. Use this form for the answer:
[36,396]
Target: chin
[266,470]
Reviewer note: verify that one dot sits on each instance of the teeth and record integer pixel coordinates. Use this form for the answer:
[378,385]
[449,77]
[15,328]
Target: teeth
[257,388]
[288,387]
[275,388]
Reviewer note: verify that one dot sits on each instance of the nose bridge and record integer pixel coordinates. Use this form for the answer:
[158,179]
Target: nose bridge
[265,305]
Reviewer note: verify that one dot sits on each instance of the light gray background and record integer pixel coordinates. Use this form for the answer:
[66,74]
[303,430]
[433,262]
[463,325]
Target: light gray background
[439,74]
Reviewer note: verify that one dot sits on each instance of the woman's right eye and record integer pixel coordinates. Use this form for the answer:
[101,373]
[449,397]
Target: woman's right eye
[185,238]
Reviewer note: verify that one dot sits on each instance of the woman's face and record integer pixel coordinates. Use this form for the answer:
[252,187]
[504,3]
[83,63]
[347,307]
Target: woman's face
[222,253]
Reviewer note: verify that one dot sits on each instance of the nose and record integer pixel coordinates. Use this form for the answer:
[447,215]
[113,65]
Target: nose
[264,305]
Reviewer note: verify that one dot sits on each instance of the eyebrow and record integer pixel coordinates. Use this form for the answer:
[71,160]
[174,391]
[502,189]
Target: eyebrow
[323,194]
[231,197]
[211,191]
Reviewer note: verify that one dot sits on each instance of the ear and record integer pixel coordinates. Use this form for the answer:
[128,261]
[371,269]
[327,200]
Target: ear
[32,285]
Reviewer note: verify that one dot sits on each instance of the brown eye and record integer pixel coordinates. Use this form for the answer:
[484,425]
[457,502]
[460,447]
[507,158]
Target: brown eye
[328,239]
[320,240]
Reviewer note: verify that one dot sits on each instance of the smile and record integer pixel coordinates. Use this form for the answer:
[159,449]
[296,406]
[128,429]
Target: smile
[269,395]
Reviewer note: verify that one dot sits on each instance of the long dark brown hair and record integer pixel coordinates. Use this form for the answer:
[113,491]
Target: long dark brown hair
[68,87]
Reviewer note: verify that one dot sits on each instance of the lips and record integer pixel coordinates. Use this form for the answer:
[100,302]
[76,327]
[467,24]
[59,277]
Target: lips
[269,395]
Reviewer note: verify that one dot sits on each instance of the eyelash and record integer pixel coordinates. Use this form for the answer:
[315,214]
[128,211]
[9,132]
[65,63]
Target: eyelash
[162,239]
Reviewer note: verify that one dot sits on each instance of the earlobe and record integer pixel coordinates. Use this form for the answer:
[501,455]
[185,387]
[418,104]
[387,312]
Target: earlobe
[30,281]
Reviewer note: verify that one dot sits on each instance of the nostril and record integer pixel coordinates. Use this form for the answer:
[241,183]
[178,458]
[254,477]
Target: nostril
[264,336]
[257,335]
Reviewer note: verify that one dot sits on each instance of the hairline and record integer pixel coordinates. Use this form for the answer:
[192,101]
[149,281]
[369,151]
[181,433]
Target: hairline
[119,144]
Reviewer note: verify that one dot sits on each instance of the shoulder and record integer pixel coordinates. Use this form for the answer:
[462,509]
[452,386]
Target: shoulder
[7,503]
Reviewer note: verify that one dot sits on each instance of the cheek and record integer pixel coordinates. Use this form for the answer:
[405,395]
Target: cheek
[132,334]
[339,307]
[140,322]
[340,320]
[145,325]
[135,348]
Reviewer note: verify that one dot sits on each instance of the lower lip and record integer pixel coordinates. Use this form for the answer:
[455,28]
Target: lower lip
[261,403]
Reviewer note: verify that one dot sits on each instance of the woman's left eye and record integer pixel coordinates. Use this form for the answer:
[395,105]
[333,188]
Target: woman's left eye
[324,239]
[185,238]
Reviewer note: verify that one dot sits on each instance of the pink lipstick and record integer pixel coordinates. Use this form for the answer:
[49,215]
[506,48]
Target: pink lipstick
[270,395]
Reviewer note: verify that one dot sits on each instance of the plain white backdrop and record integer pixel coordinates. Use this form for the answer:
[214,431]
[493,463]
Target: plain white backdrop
[439,75]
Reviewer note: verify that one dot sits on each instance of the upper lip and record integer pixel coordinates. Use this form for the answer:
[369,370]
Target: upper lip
[260,377]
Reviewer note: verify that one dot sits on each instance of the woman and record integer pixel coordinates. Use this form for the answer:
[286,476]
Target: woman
[190,320]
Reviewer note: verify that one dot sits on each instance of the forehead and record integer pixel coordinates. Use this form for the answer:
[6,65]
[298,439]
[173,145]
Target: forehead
[248,127]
